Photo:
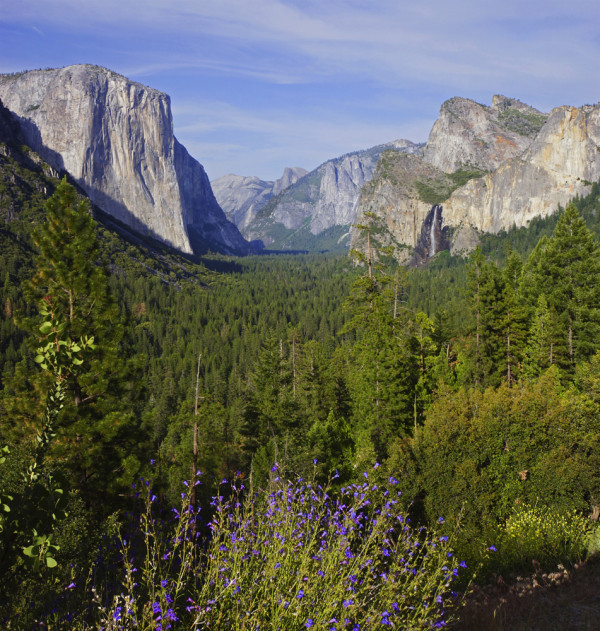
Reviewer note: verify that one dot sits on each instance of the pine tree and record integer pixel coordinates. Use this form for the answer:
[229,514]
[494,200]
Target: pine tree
[382,372]
[98,436]
[475,278]
[68,276]
[425,349]
[566,269]
[541,348]
[271,412]
[514,320]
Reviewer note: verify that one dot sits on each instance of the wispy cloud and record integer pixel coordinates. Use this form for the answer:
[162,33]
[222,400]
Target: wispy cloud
[314,138]
[358,71]
[439,41]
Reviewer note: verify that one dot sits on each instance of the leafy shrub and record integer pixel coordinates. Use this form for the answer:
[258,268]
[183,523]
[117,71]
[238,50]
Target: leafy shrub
[296,557]
[550,537]
[481,454]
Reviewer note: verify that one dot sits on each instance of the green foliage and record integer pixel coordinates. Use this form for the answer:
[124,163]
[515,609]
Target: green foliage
[436,191]
[382,370]
[524,123]
[564,269]
[332,445]
[70,290]
[482,453]
[544,340]
[33,513]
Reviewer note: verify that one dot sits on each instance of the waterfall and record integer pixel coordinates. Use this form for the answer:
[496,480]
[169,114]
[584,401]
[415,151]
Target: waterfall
[432,243]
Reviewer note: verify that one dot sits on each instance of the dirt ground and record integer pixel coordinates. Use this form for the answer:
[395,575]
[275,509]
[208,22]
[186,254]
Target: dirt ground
[565,600]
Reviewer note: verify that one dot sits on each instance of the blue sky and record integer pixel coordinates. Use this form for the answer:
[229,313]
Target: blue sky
[259,85]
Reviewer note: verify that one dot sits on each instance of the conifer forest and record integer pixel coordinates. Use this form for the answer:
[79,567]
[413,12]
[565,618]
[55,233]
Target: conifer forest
[287,441]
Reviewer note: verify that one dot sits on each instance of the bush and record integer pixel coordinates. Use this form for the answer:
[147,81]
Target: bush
[544,535]
[481,454]
[296,557]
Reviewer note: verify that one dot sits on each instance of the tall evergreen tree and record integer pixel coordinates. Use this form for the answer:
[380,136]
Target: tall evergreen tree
[514,318]
[382,374]
[98,436]
[543,343]
[476,268]
[566,269]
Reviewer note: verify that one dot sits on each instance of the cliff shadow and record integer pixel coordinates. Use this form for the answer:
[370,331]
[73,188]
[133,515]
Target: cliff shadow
[111,212]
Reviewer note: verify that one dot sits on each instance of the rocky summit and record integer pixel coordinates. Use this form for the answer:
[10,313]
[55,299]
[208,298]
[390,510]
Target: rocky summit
[115,138]
[468,133]
[493,168]
[561,162]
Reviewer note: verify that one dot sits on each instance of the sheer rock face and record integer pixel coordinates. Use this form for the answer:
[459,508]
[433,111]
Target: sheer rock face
[325,197]
[469,134]
[9,129]
[341,182]
[242,197]
[560,163]
[115,137]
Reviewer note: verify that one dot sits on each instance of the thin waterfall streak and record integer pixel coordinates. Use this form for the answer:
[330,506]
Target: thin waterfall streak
[432,243]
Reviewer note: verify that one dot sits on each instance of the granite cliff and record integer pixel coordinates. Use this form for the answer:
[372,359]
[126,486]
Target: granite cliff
[561,162]
[493,168]
[467,133]
[115,138]
[242,197]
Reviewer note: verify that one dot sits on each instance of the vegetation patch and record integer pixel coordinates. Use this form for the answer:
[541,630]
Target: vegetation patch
[437,190]
[523,123]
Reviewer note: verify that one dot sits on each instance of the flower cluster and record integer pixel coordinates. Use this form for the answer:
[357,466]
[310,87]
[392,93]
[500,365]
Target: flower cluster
[301,556]
[546,535]
[298,556]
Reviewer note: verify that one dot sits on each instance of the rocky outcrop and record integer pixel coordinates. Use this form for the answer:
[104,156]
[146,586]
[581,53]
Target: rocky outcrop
[242,197]
[534,162]
[115,138]
[290,176]
[474,135]
[393,197]
[562,161]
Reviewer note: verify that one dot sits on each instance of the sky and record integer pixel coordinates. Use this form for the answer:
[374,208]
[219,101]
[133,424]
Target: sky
[259,85]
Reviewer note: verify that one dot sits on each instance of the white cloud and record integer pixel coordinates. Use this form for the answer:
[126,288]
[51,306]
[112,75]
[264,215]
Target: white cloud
[438,41]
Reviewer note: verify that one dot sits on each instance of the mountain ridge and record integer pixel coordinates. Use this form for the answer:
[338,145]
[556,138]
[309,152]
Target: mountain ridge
[320,204]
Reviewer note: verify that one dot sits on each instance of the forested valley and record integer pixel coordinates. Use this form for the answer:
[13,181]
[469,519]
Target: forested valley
[470,385]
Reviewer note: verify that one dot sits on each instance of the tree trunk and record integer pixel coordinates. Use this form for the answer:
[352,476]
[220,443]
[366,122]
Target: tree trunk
[195,445]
